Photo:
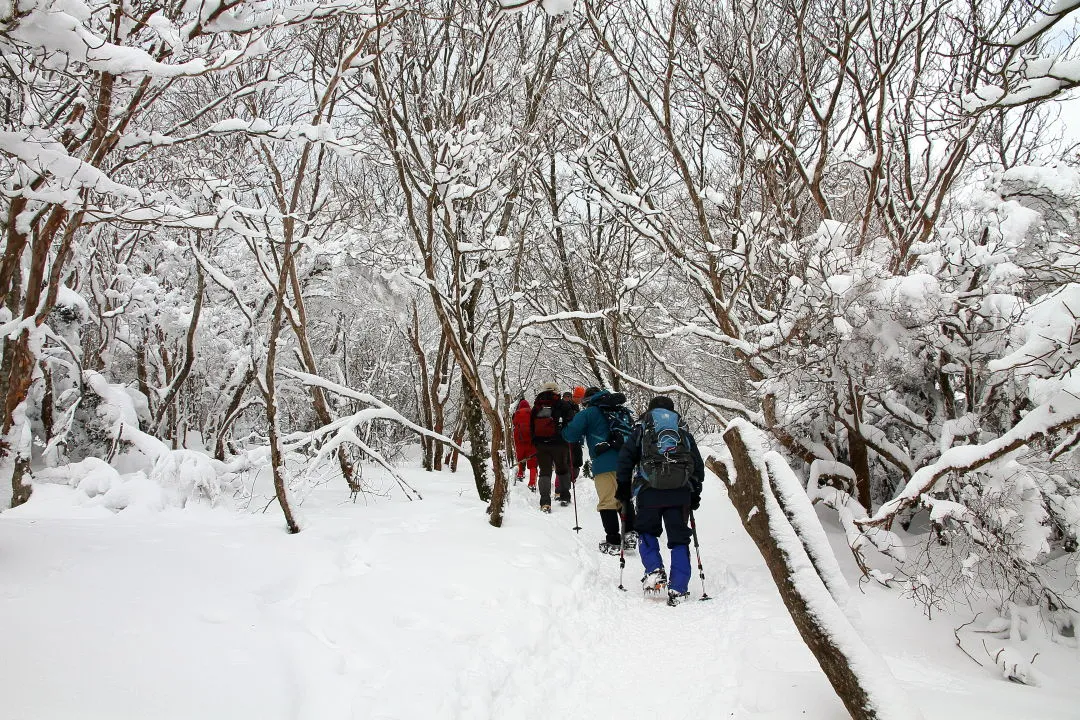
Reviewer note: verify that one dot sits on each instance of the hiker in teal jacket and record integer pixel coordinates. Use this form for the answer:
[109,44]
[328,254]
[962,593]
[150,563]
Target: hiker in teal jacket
[592,426]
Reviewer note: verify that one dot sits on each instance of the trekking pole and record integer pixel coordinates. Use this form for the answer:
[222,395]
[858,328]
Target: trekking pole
[622,551]
[573,488]
[697,552]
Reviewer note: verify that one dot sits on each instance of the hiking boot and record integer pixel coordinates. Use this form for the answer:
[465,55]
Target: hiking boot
[563,502]
[609,548]
[654,582]
[545,509]
[674,597]
[532,487]
[519,477]
[630,539]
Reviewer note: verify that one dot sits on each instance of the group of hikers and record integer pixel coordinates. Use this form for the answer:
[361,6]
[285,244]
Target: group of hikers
[648,472]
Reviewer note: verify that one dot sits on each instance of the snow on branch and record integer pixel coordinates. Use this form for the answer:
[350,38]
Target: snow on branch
[322,133]
[560,316]
[849,511]
[1053,16]
[343,430]
[380,411]
[1060,412]
[1050,334]
[47,157]
[1026,79]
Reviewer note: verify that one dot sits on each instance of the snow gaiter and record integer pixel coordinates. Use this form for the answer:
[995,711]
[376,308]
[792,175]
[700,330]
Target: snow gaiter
[562,482]
[545,488]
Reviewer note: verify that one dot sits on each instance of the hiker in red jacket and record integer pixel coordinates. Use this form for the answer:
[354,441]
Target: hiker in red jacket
[523,445]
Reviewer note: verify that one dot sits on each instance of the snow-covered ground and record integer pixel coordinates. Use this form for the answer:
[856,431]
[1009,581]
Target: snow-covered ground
[393,609]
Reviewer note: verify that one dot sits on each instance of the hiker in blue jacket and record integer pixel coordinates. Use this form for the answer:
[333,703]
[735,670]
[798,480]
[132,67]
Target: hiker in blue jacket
[660,467]
[602,410]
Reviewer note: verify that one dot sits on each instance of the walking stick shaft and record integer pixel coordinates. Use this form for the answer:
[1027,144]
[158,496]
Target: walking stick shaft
[697,552]
[622,551]
[573,489]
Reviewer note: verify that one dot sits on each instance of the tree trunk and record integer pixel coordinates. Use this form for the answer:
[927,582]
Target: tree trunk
[474,425]
[48,402]
[269,385]
[440,375]
[232,412]
[277,460]
[452,454]
[820,622]
[299,323]
[424,398]
[860,463]
[860,458]
[19,374]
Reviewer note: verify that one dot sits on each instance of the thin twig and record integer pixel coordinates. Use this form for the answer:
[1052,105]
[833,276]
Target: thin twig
[956,634]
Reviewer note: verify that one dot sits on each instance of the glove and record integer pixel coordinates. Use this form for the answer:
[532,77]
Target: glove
[586,469]
[622,493]
[695,501]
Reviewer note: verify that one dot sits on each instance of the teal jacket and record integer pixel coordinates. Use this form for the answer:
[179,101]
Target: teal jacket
[590,425]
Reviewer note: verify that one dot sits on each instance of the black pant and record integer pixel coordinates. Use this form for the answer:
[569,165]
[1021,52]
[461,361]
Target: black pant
[557,455]
[612,526]
[673,520]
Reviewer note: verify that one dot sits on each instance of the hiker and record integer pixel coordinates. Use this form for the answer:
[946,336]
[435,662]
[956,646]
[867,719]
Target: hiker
[523,445]
[574,399]
[605,425]
[666,487]
[549,416]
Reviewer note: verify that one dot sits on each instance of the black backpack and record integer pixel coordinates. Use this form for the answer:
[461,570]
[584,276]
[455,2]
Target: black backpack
[620,423]
[666,462]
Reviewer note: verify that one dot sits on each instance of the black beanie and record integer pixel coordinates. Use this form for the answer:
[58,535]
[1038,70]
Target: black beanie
[589,393]
[662,401]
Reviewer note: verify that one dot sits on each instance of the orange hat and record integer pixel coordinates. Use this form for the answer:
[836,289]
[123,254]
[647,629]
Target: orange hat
[579,393]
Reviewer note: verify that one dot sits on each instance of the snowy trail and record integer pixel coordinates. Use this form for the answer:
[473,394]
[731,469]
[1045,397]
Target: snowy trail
[421,610]
[592,659]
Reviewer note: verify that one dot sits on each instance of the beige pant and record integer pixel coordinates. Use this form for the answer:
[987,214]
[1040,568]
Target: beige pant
[605,491]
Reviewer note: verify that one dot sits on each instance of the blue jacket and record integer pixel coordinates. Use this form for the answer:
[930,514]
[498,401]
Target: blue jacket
[630,456]
[591,425]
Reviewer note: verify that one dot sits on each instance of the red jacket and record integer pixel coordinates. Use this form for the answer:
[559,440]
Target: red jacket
[523,445]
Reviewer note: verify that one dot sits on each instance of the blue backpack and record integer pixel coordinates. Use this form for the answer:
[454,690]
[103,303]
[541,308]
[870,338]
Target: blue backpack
[666,462]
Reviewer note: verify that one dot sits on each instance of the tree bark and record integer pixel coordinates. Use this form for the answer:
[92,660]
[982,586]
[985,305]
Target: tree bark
[751,494]
[424,399]
[474,426]
[860,458]
[277,460]
[232,412]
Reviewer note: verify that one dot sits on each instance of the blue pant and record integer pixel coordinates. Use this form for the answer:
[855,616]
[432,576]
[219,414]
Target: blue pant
[648,525]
